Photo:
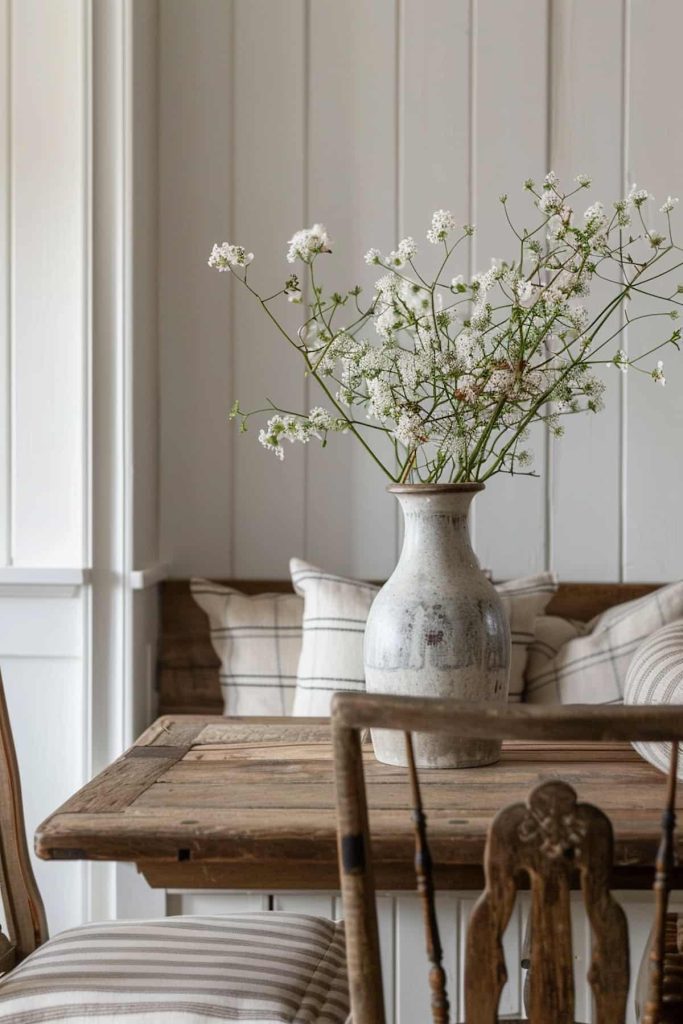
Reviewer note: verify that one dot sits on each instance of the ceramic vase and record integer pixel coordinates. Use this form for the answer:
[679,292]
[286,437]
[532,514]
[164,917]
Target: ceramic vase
[437,628]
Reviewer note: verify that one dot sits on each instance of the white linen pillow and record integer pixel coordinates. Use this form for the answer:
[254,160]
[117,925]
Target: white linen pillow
[655,676]
[590,666]
[335,613]
[258,641]
[336,610]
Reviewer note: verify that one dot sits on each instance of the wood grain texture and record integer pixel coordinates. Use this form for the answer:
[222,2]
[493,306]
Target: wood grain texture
[250,805]
[188,665]
[550,839]
[22,902]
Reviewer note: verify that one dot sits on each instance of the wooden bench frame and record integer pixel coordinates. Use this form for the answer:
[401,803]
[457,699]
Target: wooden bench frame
[187,675]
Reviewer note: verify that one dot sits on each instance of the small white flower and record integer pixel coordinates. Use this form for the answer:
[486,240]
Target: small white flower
[295,295]
[578,317]
[658,374]
[443,222]
[373,256]
[637,196]
[668,206]
[527,293]
[406,250]
[549,202]
[320,418]
[584,180]
[387,286]
[458,282]
[620,360]
[410,430]
[551,179]
[595,214]
[225,256]
[307,243]
[480,317]
[622,206]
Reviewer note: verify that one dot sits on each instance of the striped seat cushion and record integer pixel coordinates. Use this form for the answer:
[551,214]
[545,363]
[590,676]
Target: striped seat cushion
[258,641]
[574,663]
[336,610]
[261,968]
[655,676]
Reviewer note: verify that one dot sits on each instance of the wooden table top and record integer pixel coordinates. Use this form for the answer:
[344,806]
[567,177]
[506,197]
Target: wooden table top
[208,802]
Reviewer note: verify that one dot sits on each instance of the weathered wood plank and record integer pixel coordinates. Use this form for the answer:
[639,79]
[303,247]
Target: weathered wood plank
[235,803]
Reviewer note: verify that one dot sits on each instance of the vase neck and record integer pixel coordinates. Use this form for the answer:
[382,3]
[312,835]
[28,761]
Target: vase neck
[437,526]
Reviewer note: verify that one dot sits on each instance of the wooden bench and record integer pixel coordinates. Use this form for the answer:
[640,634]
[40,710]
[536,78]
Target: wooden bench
[188,665]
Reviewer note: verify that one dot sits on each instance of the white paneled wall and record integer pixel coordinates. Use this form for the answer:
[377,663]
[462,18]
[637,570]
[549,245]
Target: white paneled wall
[44,410]
[367,115]
[78,402]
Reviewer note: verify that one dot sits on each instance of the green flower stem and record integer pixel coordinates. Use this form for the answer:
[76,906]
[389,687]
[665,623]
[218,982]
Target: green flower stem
[332,399]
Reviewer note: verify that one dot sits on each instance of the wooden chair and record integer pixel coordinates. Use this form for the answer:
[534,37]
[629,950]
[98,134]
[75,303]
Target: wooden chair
[549,840]
[266,966]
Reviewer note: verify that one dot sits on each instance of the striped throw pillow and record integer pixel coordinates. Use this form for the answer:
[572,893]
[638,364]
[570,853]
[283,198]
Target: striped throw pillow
[655,676]
[258,641]
[262,968]
[335,613]
[587,663]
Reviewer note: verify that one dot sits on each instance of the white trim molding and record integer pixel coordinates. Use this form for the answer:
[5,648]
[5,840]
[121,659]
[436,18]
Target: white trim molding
[40,581]
[141,579]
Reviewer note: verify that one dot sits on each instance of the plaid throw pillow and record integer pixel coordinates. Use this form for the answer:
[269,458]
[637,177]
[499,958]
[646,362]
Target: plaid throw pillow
[258,641]
[335,613]
[655,676]
[577,663]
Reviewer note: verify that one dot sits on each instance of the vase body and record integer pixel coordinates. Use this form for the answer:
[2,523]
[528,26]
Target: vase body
[437,628]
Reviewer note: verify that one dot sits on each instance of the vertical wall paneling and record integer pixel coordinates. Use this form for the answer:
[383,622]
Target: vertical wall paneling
[124,395]
[320,904]
[42,675]
[144,384]
[5,283]
[352,164]
[144,411]
[654,415]
[434,99]
[268,160]
[412,984]
[586,107]
[44,408]
[380,118]
[199,902]
[48,324]
[581,949]
[195,113]
[509,123]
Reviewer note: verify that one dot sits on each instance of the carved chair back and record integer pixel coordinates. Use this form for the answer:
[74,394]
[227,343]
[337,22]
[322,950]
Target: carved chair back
[547,841]
[23,906]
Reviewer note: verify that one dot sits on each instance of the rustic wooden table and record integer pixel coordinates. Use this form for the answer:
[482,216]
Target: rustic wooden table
[207,802]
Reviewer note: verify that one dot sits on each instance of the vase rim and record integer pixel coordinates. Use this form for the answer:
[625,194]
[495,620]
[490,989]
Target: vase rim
[463,488]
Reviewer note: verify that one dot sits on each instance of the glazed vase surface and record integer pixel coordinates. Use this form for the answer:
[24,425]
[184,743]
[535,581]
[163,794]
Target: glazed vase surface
[437,628]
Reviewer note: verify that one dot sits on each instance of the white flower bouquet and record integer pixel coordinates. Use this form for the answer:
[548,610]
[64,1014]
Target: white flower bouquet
[441,379]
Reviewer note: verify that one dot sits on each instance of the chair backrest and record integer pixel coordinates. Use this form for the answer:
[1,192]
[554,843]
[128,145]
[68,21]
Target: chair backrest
[24,910]
[548,839]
